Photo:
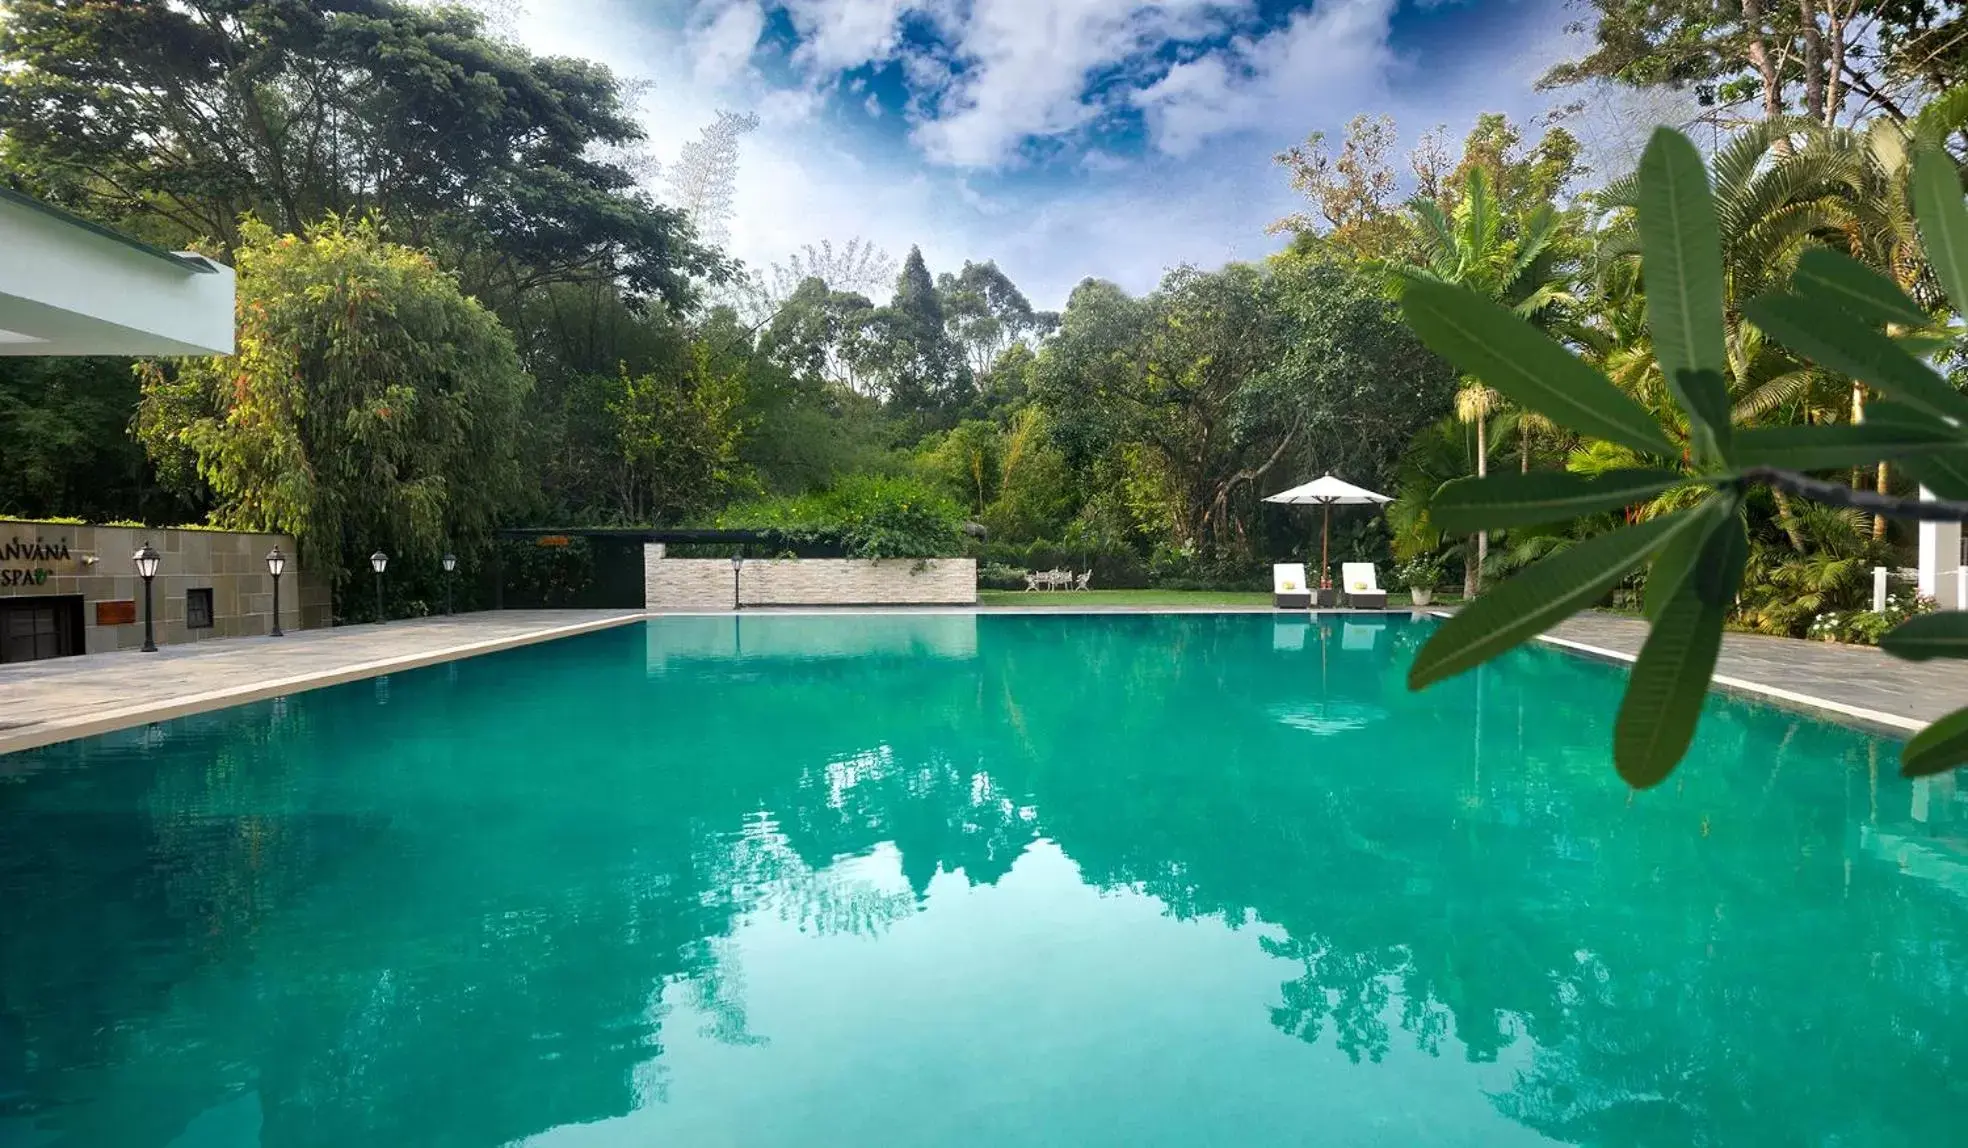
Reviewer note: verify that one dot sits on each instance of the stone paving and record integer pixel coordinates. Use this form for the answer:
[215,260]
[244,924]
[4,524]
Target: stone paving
[61,698]
[1855,683]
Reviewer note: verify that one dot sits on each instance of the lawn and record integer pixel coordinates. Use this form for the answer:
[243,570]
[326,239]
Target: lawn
[1137,598]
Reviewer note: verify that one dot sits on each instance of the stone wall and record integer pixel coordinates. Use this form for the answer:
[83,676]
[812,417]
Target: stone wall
[99,569]
[706,583]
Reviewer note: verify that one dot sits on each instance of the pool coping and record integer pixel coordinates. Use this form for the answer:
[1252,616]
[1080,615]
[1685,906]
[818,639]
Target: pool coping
[57,730]
[1870,720]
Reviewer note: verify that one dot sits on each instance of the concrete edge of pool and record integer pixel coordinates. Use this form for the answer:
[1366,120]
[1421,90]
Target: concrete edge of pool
[111,717]
[1871,720]
[60,728]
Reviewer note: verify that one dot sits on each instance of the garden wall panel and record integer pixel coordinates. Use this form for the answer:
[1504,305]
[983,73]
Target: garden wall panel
[706,583]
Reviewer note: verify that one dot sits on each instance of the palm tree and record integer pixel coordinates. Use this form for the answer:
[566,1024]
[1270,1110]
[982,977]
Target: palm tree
[1882,231]
[1515,260]
[1781,187]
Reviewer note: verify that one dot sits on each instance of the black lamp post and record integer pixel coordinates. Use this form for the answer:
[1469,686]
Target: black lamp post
[737,564]
[147,561]
[378,562]
[450,565]
[276,566]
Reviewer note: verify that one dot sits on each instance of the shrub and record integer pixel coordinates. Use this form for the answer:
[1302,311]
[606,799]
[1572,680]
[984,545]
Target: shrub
[865,515]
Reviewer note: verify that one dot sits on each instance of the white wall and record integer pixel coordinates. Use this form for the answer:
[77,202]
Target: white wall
[67,290]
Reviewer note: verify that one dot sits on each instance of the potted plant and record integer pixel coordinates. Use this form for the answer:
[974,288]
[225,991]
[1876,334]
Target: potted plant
[1419,575]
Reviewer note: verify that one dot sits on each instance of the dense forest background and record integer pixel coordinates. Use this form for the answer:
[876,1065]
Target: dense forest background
[469,298]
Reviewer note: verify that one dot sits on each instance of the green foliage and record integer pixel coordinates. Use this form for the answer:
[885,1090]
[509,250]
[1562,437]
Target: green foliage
[370,404]
[677,433]
[866,516]
[1694,584]
[289,112]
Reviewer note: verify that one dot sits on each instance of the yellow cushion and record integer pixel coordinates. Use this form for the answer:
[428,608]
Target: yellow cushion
[1290,585]
[1357,585]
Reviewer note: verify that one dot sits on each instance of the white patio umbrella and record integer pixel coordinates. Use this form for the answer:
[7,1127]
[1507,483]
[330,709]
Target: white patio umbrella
[1326,493]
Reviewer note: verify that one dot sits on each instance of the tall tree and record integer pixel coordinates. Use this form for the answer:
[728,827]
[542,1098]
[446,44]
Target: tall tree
[922,370]
[177,120]
[370,402]
[986,313]
[704,179]
[1821,59]
[1509,257]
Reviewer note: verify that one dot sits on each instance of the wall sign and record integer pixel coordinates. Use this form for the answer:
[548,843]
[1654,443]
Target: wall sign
[29,561]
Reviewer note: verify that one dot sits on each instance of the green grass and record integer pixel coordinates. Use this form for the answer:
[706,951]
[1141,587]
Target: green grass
[1123,598]
[1138,598]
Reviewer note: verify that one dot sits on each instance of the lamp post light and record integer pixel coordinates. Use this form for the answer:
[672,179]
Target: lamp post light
[147,561]
[276,566]
[378,562]
[450,565]
[737,564]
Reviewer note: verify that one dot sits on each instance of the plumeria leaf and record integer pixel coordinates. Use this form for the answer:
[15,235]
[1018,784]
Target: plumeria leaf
[1941,746]
[1681,248]
[1518,610]
[1669,682]
[1471,504]
[1843,281]
[1505,351]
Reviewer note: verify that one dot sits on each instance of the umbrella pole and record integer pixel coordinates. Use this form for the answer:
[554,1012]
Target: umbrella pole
[1325,542]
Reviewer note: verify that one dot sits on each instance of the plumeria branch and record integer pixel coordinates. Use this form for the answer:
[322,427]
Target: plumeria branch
[1838,494]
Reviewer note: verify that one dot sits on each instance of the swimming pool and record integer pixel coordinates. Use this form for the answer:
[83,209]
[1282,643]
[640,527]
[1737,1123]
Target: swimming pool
[976,880]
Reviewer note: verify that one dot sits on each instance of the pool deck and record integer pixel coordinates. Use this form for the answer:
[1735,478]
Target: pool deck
[62,698]
[1857,685]
[46,702]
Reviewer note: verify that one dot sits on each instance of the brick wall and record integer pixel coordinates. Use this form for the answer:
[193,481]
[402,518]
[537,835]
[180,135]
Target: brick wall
[706,583]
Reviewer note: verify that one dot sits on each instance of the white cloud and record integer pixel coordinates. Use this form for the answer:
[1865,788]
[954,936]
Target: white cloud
[1026,63]
[1021,70]
[721,39]
[840,34]
[1334,54]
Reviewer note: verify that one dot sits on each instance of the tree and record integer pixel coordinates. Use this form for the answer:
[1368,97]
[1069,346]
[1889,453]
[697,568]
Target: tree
[986,314]
[370,403]
[175,121]
[1823,59]
[1833,311]
[1507,258]
[65,446]
[677,438]
[1352,194]
[704,179]
[922,371]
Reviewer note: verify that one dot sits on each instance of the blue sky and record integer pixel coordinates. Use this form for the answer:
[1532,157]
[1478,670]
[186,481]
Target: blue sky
[1063,138]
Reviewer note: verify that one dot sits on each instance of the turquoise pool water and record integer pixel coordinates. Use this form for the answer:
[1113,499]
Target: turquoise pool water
[970,881]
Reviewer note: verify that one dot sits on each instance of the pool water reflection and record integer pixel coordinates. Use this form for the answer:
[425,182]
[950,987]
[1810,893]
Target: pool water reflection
[957,880]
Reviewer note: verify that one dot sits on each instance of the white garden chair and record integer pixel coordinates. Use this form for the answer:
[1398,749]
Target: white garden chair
[1032,580]
[1081,582]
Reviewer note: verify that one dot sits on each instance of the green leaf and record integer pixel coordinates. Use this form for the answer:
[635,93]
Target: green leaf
[1675,561]
[1706,399]
[1824,447]
[1518,610]
[1837,342]
[1941,746]
[1943,221]
[1943,635]
[1843,281]
[1506,352]
[1945,472]
[1468,505]
[1669,683]
[1681,249]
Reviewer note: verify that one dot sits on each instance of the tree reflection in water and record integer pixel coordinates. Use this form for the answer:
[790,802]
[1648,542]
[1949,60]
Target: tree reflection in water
[473,903]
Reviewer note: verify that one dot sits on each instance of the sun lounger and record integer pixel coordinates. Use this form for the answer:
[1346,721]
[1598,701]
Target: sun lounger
[1288,589]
